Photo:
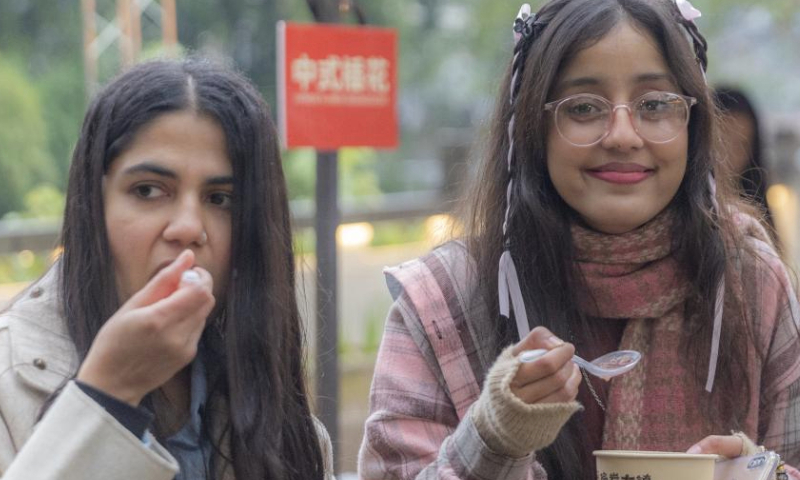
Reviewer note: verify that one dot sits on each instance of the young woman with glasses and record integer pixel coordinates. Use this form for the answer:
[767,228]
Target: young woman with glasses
[595,225]
[165,343]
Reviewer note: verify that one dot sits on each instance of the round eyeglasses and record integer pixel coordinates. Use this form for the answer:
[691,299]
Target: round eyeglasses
[585,119]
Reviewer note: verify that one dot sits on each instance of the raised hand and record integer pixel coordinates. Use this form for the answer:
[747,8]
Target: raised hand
[551,378]
[153,335]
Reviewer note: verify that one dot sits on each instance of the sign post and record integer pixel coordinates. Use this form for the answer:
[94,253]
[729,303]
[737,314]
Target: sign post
[337,87]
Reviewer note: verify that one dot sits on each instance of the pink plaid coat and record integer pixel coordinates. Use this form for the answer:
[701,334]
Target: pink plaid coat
[438,345]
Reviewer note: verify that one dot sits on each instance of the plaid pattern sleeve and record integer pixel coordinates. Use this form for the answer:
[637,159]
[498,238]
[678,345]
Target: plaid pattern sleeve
[779,424]
[413,431]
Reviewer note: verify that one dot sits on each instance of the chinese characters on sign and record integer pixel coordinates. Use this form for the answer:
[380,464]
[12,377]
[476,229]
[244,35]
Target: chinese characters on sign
[324,81]
[337,86]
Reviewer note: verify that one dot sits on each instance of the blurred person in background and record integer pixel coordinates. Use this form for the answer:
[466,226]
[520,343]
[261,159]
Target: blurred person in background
[594,224]
[741,138]
[165,342]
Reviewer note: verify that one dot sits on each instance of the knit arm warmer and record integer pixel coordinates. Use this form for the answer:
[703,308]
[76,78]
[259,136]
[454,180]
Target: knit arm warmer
[507,424]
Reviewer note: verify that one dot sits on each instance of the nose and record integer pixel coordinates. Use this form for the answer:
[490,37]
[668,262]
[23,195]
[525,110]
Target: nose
[186,224]
[622,133]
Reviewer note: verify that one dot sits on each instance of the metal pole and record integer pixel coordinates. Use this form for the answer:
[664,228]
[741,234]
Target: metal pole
[326,222]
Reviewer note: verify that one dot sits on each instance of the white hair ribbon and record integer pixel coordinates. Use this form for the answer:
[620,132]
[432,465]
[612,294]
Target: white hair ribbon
[508,287]
[509,292]
[718,305]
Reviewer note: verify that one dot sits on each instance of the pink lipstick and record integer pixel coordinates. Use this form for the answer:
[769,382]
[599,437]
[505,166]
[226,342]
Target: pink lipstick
[621,173]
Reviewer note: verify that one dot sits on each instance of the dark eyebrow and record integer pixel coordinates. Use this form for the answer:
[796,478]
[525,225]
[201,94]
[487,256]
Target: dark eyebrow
[149,167]
[592,81]
[655,77]
[578,82]
[226,180]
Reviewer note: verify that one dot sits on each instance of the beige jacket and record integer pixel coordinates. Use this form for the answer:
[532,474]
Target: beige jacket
[77,438]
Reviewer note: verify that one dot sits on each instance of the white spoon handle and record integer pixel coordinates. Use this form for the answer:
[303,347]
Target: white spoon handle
[530,355]
[583,363]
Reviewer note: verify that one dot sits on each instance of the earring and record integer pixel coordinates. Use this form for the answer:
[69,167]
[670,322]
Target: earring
[203,238]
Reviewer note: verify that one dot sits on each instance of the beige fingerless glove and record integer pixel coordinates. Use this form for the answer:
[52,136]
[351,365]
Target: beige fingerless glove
[749,447]
[507,424]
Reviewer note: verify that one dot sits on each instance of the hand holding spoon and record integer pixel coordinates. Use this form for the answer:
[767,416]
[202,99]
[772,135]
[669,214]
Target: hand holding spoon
[607,366]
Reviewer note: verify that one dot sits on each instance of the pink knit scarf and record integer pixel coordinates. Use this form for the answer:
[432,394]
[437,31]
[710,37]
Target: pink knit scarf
[634,276]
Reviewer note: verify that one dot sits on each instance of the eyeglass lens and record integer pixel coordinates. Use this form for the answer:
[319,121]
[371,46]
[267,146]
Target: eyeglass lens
[657,117]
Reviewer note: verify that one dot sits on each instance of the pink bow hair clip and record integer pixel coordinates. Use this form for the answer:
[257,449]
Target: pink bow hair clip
[687,10]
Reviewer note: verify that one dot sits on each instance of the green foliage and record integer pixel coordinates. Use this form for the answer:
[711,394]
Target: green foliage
[299,167]
[397,232]
[778,8]
[23,266]
[61,89]
[357,173]
[303,240]
[376,316]
[43,201]
[24,159]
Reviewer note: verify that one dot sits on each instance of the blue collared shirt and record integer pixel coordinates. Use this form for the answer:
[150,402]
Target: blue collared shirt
[190,446]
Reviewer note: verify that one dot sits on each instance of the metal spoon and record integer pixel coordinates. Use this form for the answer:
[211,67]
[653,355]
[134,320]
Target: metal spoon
[605,367]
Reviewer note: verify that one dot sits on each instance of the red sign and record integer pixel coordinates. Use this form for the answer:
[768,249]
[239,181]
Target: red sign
[337,86]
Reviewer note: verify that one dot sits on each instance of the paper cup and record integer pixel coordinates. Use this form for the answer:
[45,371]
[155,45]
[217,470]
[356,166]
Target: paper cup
[634,465]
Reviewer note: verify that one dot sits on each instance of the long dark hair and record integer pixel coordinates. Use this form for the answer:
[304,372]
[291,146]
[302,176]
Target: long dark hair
[257,343]
[753,180]
[539,226]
